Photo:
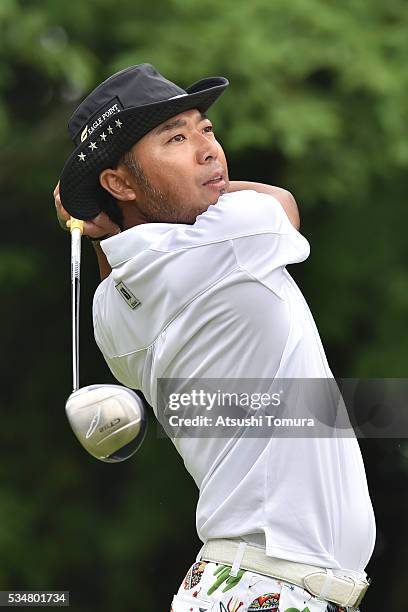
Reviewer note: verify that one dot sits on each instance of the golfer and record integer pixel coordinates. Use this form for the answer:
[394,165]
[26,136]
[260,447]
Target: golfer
[194,286]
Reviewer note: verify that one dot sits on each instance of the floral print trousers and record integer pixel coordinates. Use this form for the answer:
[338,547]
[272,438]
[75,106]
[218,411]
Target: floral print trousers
[209,587]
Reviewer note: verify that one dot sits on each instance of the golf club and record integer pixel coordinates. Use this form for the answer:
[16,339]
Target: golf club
[108,420]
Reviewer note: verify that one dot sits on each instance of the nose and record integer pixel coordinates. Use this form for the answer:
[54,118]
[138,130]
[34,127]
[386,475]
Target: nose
[207,149]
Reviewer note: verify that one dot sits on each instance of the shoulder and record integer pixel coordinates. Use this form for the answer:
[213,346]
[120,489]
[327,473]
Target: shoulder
[245,212]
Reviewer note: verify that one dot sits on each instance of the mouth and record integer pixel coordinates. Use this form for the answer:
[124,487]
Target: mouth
[217,181]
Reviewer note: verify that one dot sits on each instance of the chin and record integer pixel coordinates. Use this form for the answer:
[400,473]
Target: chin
[217,197]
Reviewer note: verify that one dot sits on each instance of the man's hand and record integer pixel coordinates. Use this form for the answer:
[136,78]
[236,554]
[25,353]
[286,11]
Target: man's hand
[95,229]
[100,226]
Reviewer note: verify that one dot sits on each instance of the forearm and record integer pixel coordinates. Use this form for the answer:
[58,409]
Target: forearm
[284,197]
[104,267]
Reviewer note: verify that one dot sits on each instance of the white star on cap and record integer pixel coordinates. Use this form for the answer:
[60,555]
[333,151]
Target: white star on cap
[110,130]
[103,136]
[92,146]
[118,123]
[82,156]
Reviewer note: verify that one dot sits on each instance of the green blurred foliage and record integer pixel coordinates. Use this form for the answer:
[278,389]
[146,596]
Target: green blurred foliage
[318,103]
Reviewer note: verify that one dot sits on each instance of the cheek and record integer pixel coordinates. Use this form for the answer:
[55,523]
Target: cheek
[166,166]
[221,155]
[152,168]
[175,176]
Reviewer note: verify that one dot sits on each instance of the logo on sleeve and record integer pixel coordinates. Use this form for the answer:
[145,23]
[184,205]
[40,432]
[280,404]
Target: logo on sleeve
[128,296]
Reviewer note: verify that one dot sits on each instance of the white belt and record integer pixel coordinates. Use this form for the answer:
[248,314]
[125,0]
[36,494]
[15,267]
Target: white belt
[321,582]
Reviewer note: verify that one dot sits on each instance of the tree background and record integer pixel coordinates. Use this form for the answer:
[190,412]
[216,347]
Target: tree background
[318,103]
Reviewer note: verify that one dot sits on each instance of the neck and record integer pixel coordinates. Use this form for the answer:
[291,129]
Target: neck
[132,215]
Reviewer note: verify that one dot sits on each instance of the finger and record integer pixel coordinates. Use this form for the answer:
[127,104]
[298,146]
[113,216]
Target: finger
[102,220]
[103,224]
[61,213]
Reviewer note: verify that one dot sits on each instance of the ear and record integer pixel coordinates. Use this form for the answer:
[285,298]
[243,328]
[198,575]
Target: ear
[117,183]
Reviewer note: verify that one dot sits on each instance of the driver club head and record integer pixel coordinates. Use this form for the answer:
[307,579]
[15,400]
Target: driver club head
[108,420]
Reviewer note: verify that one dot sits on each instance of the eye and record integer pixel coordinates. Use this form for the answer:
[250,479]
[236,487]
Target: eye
[177,138]
[208,129]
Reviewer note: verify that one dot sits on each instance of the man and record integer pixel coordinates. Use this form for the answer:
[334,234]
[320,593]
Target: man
[195,286]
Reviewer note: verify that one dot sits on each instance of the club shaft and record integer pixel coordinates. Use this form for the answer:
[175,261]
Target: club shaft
[75,295]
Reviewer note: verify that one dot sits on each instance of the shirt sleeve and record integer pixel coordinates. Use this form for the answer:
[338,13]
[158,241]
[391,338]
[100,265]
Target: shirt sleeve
[262,235]
[243,213]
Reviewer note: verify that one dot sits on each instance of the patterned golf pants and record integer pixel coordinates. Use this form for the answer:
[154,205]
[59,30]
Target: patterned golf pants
[208,587]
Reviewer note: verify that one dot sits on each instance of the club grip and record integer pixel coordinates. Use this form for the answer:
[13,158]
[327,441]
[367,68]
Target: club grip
[76,224]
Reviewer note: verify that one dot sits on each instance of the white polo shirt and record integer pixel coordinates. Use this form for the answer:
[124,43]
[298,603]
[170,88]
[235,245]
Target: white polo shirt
[216,301]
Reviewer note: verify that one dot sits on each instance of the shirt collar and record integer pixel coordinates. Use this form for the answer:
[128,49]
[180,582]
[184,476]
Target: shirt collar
[131,242]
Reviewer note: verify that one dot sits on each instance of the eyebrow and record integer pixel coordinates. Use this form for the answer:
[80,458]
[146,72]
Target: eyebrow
[171,125]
